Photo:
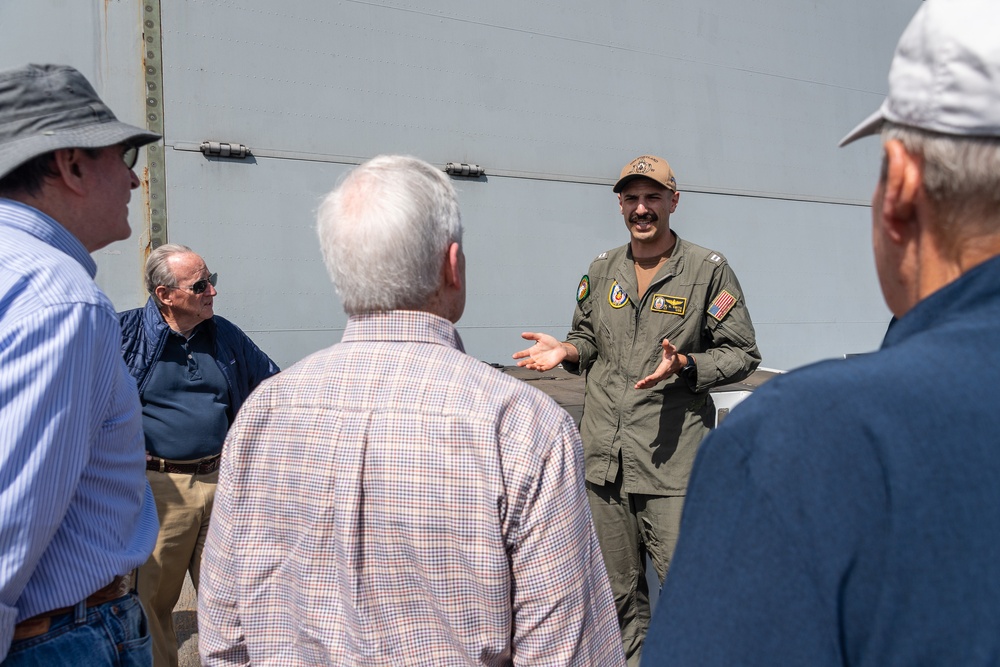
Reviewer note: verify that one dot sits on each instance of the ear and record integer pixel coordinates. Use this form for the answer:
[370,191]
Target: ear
[903,181]
[621,205]
[673,201]
[453,267]
[69,166]
[163,294]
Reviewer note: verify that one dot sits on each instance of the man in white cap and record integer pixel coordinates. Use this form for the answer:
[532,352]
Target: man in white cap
[849,513]
[76,512]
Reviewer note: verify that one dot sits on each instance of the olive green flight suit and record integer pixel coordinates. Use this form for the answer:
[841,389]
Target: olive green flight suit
[640,444]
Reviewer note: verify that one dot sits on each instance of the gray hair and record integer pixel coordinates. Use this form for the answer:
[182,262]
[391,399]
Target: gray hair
[384,231]
[961,178]
[158,271]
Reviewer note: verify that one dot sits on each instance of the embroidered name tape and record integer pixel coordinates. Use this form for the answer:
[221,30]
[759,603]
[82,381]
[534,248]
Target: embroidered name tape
[664,303]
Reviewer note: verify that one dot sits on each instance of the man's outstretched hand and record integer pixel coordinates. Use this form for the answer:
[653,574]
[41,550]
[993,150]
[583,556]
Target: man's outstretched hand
[545,354]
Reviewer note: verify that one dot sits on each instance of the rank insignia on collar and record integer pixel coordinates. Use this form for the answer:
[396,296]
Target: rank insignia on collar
[722,305]
[617,296]
[583,290]
[664,303]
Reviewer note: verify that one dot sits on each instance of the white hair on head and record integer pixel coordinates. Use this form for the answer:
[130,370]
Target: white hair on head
[961,175]
[384,231]
[158,271]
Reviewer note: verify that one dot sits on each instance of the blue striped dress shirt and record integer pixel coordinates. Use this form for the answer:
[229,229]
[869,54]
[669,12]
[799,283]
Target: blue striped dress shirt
[75,507]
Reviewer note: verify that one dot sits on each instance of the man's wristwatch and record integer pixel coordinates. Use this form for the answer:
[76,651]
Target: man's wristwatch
[689,372]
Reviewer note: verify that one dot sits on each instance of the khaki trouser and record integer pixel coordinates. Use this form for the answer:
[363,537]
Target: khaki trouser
[629,527]
[184,506]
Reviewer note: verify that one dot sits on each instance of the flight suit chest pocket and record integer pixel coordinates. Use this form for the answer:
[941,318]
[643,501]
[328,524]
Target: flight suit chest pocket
[671,310]
[615,329]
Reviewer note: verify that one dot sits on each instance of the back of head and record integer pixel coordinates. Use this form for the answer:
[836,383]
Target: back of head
[44,108]
[384,231]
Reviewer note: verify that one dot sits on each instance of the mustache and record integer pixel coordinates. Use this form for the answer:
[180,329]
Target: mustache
[648,217]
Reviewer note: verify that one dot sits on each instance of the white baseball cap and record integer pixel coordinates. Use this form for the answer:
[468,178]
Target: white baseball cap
[945,74]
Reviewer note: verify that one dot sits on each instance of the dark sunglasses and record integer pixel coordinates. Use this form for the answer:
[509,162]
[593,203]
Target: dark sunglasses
[131,156]
[200,286]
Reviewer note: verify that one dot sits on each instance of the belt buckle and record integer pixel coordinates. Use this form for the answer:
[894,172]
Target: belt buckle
[211,465]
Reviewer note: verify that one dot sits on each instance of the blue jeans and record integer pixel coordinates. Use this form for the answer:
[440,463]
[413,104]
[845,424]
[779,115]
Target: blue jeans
[113,633]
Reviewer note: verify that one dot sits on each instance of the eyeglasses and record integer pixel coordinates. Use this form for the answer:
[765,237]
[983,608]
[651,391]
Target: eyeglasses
[200,286]
[131,156]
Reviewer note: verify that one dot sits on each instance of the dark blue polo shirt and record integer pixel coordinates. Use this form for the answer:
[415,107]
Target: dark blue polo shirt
[186,399]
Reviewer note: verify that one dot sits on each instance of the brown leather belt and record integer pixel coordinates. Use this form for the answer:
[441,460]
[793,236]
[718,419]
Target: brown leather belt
[40,624]
[199,467]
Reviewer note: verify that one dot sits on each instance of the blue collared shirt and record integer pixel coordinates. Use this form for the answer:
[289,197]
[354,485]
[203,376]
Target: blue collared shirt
[75,507]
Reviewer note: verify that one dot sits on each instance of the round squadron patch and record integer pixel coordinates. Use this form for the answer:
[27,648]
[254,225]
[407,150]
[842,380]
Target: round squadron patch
[617,296]
[583,290]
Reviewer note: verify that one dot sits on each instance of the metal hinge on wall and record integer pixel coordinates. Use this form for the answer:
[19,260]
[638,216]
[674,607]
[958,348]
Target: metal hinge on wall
[462,169]
[223,149]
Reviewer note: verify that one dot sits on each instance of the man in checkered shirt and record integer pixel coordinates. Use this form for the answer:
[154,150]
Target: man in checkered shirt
[391,500]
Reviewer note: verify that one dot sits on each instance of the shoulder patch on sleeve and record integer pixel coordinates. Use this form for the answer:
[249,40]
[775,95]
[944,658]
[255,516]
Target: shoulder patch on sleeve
[721,305]
[583,289]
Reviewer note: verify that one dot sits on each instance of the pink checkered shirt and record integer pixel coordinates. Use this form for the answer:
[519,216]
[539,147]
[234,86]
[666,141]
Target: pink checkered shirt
[393,501]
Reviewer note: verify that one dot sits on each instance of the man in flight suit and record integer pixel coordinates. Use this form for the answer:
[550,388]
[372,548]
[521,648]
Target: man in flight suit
[658,322]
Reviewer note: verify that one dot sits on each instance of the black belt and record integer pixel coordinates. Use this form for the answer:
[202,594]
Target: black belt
[199,467]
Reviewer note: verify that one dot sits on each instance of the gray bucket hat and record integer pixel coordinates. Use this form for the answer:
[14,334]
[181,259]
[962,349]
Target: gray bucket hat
[47,107]
[945,74]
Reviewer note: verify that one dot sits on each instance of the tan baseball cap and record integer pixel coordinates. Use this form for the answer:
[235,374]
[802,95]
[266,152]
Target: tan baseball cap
[647,166]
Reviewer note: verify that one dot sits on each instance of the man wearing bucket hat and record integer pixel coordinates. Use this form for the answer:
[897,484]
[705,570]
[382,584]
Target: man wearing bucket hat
[849,512]
[76,513]
[658,322]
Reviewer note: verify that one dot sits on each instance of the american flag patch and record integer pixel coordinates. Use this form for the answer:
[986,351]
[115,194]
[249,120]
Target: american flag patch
[722,305]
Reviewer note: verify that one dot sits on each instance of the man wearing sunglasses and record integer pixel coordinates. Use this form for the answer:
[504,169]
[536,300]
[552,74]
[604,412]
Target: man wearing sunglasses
[76,513]
[193,370]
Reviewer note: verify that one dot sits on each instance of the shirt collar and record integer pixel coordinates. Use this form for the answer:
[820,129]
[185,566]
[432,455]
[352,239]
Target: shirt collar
[410,326]
[47,230]
[975,288]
